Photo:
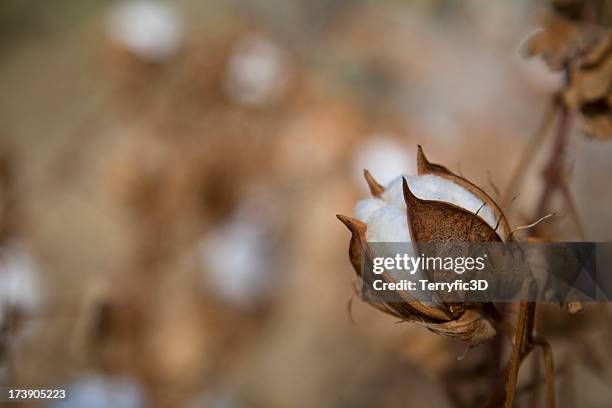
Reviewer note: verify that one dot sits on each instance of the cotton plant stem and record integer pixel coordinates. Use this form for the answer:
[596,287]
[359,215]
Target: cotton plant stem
[573,210]
[525,338]
[554,170]
[530,151]
[534,340]
[525,341]
[524,319]
[547,354]
[529,387]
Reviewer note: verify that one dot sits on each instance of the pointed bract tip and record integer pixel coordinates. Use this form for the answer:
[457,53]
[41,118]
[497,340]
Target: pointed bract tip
[343,218]
[409,198]
[375,188]
[351,223]
[422,162]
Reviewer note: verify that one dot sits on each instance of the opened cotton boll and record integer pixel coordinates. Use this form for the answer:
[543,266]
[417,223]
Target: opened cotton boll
[384,156]
[257,72]
[385,216]
[436,206]
[236,261]
[150,30]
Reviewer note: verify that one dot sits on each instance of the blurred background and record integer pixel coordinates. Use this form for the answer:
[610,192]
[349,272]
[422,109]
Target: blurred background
[170,174]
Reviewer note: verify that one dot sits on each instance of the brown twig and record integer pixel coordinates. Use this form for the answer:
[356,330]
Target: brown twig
[526,339]
[573,210]
[530,151]
[519,349]
[548,365]
[537,382]
[554,170]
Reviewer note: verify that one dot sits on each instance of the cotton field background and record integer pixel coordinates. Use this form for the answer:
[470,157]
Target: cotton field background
[170,174]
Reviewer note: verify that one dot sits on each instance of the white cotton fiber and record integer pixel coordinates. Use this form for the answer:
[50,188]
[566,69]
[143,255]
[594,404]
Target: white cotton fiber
[386,216]
[19,275]
[95,391]
[388,224]
[149,29]
[257,72]
[236,261]
[430,187]
[366,207]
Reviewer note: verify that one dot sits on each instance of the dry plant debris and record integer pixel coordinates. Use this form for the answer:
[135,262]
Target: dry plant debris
[577,39]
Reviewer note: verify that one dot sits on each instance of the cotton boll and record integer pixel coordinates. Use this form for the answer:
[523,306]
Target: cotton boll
[19,286]
[386,217]
[101,392]
[150,30]
[257,72]
[235,258]
[19,297]
[391,223]
[384,157]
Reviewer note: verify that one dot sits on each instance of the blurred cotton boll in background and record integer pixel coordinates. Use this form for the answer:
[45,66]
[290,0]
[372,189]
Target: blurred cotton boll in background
[100,392]
[19,296]
[257,72]
[236,260]
[150,30]
[385,157]
[19,286]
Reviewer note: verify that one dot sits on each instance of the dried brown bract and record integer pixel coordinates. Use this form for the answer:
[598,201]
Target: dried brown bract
[577,39]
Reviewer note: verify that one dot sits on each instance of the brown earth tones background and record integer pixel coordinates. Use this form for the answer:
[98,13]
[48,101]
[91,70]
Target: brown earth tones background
[181,211]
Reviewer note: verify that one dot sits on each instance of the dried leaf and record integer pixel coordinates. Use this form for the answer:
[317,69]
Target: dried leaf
[557,43]
[577,39]
[590,80]
[598,126]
